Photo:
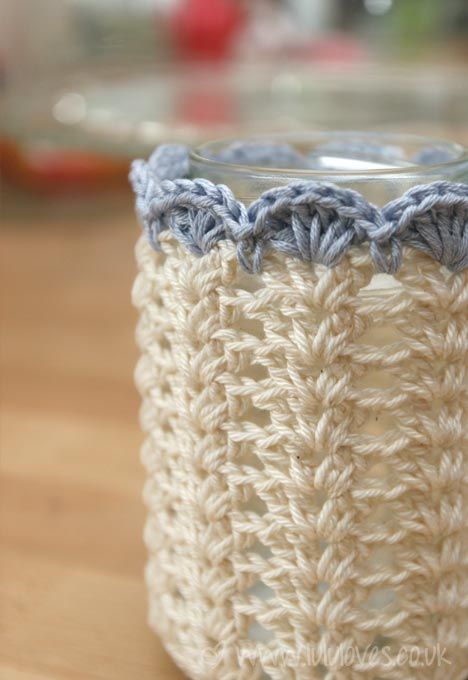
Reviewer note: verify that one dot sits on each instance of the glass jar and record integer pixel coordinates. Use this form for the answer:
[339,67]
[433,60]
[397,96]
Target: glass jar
[306,412]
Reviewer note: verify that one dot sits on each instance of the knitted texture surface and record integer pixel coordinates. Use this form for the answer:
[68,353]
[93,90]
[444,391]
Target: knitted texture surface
[313,221]
[305,439]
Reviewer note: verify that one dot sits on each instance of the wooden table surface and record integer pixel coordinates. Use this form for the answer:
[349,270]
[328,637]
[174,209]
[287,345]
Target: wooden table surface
[72,596]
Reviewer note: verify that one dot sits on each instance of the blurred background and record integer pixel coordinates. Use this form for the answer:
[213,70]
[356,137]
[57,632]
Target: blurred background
[86,85]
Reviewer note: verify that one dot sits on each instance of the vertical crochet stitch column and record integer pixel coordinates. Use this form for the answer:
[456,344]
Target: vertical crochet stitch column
[426,463]
[189,535]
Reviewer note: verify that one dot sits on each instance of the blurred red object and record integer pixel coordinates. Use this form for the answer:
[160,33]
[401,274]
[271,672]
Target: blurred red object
[205,29]
[55,170]
[204,108]
[334,48]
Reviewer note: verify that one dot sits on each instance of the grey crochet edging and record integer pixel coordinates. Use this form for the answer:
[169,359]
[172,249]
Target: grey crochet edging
[313,221]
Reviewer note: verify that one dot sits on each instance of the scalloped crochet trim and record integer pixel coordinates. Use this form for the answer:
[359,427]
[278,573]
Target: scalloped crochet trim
[313,221]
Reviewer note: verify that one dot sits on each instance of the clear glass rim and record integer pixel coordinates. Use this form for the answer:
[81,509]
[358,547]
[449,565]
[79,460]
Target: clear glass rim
[198,155]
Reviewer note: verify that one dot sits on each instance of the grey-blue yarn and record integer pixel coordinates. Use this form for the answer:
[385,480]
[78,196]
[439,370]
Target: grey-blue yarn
[313,221]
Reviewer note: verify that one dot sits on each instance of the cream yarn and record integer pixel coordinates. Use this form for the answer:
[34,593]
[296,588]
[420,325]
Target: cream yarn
[306,470]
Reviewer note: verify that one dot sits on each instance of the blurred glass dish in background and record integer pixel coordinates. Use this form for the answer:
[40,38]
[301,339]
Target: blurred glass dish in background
[82,133]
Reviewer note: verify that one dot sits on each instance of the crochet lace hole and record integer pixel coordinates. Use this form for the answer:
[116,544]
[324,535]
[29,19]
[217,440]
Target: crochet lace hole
[246,457]
[257,416]
[259,633]
[381,282]
[322,587]
[323,545]
[321,670]
[260,590]
[380,598]
[379,556]
[262,550]
[254,504]
[378,423]
[250,326]
[374,378]
[381,641]
[319,498]
[177,594]
[164,344]
[249,283]
[379,470]
[256,372]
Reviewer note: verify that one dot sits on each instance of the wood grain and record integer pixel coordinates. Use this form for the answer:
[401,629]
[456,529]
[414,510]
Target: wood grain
[73,602]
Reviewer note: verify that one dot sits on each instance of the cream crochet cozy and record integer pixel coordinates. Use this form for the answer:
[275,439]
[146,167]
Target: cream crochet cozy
[306,463]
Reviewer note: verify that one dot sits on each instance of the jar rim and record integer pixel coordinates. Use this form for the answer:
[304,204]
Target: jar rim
[200,155]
